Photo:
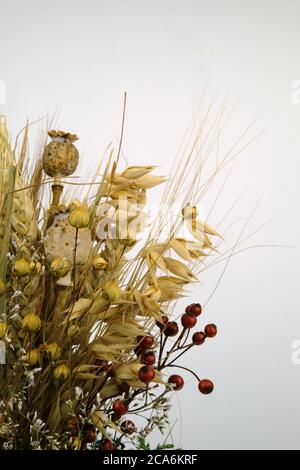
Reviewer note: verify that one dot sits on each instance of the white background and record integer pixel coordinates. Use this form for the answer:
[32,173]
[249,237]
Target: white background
[77,58]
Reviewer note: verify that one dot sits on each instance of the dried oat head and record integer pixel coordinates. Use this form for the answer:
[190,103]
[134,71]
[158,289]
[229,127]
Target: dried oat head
[60,156]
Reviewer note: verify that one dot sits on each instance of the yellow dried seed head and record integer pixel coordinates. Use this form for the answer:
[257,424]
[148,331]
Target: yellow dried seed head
[21,267]
[35,267]
[99,263]
[79,218]
[112,291]
[61,372]
[75,204]
[33,357]
[60,267]
[3,329]
[32,323]
[54,351]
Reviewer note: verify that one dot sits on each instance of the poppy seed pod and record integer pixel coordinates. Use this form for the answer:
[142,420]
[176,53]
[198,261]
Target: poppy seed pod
[32,323]
[79,218]
[60,156]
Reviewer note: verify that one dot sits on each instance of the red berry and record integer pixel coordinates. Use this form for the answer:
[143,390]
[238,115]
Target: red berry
[145,342]
[89,433]
[199,338]
[211,331]
[188,321]
[176,380]
[146,374]
[120,408]
[206,387]
[74,425]
[194,309]
[163,322]
[171,329]
[128,427]
[148,358]
[108,445]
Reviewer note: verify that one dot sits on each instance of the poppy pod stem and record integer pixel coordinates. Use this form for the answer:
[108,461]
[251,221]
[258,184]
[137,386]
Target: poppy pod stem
[57,190]
[74,267]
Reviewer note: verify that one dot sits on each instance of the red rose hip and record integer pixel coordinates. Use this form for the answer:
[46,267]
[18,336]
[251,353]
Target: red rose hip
[146,374]
[211,331]
[194,309]
[199,338]
[120,408]
[128,427]
[148,358]
[108,445]
[145,342]
[206,387]
[89,433]
[171,329]
[74,425]
[188,321]
[176,380]
[163,322]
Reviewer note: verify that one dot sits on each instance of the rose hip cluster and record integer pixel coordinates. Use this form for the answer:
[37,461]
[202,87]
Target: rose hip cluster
[155,359]
[171,329]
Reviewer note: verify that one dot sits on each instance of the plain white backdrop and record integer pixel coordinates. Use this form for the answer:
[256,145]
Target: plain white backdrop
[77,58]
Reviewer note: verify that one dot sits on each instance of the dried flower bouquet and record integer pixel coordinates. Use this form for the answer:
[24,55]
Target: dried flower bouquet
[85,307]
